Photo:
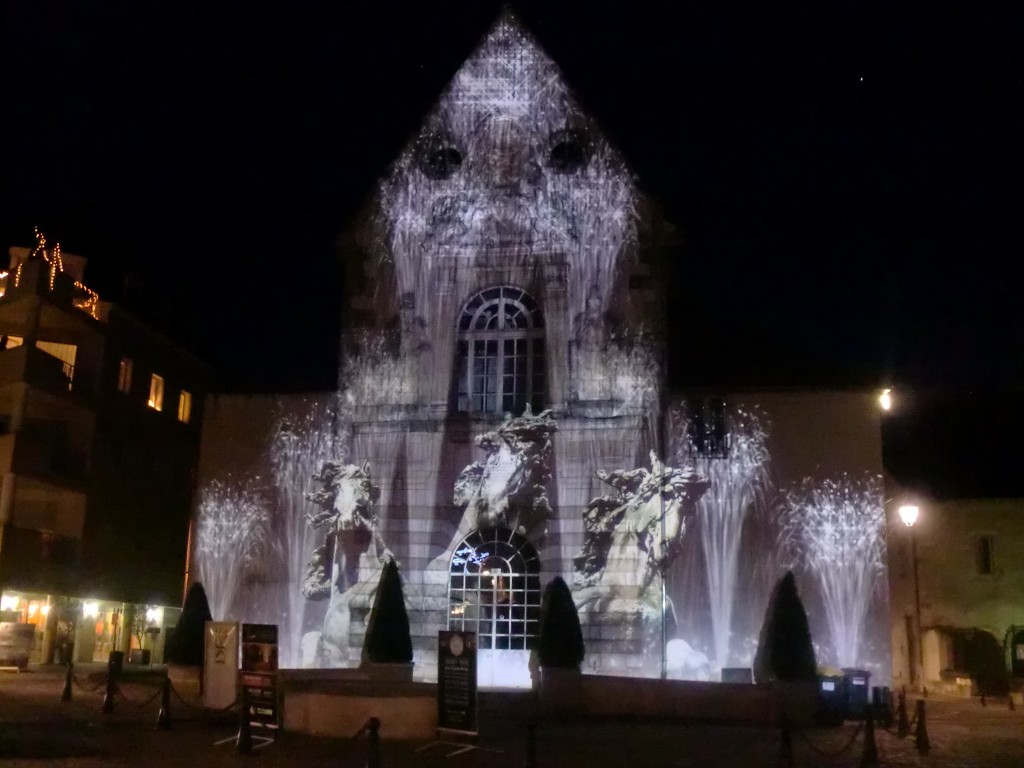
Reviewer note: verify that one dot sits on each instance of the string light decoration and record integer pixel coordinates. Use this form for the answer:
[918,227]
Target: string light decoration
[86,299]
[90,303]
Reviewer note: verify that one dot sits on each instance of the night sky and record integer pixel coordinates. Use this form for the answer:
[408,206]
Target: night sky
[846,177]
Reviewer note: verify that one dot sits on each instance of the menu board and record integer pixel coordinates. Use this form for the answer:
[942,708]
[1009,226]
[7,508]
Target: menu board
[259,674]
[456,682]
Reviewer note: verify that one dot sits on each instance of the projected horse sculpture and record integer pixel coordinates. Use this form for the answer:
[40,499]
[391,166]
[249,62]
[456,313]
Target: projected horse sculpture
[508,487]
[347,516]
[630,537]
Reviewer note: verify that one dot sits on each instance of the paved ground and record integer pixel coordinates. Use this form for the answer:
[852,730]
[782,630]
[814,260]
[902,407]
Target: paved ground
[37,730]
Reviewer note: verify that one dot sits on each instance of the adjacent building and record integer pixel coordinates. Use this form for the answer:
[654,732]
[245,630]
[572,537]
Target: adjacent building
[100,430]
[957,583]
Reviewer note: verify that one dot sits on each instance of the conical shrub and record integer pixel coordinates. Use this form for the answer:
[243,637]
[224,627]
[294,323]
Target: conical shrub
[185,643]
[387,634]
[785,651]
[561,639]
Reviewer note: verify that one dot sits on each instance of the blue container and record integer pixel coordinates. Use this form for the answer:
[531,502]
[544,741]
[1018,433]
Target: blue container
[831,699]
[858,693]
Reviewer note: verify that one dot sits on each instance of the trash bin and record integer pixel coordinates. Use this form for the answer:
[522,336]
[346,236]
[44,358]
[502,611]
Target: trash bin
[831,699]
[858,693]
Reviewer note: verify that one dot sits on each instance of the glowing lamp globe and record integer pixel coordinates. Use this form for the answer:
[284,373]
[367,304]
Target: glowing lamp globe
[885,399]
[908,514]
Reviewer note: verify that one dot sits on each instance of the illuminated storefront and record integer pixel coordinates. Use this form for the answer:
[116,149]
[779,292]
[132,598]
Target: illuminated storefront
[84,630]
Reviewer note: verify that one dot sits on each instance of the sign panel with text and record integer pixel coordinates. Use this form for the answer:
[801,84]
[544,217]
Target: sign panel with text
[456,682]
[259,674]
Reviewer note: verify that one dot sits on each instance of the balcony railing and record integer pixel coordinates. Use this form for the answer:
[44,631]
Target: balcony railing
[41,369]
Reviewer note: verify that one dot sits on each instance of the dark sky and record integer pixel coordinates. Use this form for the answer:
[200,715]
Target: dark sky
[846,176]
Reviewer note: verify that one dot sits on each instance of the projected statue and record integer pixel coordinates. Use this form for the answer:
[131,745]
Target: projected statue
[630,537]
[508,487]
[347,516]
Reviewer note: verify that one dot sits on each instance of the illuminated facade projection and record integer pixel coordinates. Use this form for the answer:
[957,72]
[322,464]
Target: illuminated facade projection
[501,420]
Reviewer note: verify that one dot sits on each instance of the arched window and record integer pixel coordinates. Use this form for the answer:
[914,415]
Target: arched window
[494,589]
[500,353]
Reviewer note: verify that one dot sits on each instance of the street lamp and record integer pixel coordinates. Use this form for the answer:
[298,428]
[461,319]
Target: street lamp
[908,514]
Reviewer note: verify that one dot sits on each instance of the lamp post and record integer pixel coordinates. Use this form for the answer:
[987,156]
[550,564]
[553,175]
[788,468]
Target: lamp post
[664,576]
[908,514]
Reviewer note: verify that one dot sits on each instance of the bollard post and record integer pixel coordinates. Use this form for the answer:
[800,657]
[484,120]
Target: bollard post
[373,739]
[902,721]
[786,747]
[887,713]
[108,694]
[531,745]
[1012,705]
[870,757]
[243,742]
[69,675]
[163,717]
[921,736]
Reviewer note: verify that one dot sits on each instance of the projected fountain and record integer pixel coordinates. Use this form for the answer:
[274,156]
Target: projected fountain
[299,448]
[735,462]
[502,382]
[230,537]
[837,530]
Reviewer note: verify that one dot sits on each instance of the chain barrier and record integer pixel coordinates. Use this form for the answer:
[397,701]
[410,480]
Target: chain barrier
[825,753]
[200,707]
[82,687]
[893,729]
[119,691]
[140,704]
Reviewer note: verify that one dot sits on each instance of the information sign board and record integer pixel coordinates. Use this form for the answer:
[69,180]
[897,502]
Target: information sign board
[456,682]
[259,674]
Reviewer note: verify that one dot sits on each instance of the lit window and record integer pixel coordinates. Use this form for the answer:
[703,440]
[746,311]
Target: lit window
[124,375]
[984,555]
[500,363]
[184,407]
[494,589]
[156,392]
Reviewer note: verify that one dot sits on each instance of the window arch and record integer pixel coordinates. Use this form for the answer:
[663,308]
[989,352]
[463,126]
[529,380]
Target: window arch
[500,353]
[494,589]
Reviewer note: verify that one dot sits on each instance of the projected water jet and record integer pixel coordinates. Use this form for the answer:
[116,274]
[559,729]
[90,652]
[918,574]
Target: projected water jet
[837,530]
[231,535]
[736,470]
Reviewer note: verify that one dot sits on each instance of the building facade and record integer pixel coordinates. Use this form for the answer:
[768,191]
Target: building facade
[101,421]
[502,418]
[956,583]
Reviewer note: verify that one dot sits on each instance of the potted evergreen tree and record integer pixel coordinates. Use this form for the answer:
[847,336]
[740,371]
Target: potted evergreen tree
[785,654]
[185,646]
[559,650]
[387,648]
